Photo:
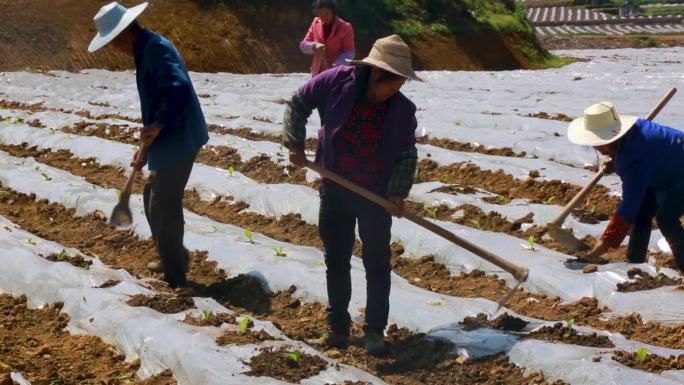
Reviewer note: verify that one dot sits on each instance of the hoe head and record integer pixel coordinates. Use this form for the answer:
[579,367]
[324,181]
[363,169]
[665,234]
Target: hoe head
[121,215]
[566,238]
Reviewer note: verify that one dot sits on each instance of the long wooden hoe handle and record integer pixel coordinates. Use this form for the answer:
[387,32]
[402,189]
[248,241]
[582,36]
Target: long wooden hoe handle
[558,221]
[142,151]
[520,273]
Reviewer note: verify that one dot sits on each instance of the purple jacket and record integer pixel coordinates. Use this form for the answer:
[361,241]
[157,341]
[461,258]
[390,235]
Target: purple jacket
[335,92]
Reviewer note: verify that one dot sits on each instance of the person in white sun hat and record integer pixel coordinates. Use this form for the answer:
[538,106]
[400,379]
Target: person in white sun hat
[174,128]
[649,158]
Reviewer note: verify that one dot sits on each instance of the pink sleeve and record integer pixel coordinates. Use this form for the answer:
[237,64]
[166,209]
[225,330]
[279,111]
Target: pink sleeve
[306,45]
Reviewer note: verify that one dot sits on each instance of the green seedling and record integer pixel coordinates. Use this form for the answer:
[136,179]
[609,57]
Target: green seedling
[319,264]
[295,356]
[250,236]
[31,242]
[244,325]
[279,252]
[432,212]
[592,210]
[549,200]
[62,255]
[531,243]
[477,224]
[46,176]
[207,313]
[501,199]
[231,170]
[658,276]
[446,179]
[55,380]
[642,354]
[568,331]
[436,303]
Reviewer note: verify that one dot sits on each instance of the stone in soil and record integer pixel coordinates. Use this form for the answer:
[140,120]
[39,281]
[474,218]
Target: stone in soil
[641,280]
[163,303]
[653,363]
[560,333]
[285,365]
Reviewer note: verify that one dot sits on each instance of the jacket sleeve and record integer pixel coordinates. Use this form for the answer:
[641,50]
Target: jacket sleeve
[306,45]
[312,95]
[403,173]
[297,113]
[635,180]
[172,80]
[348,47]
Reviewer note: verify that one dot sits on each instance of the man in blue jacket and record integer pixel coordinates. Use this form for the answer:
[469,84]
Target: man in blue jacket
[174,128]
[649,158]
[368,137]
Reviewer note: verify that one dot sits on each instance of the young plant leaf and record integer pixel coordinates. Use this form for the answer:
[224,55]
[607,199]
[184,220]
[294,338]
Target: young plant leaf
[249,235]
[62,255]
[295,356]
[642,354]
[501,199]
[207,313]
[279,252]
[244,325]
[231,170]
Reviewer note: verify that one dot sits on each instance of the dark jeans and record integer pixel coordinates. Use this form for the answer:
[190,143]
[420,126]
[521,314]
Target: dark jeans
[163,200]
[340,210]
[667,216]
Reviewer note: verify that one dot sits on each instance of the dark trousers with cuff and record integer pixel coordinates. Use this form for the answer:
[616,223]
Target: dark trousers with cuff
[340,211]
[163,200]
[667,215]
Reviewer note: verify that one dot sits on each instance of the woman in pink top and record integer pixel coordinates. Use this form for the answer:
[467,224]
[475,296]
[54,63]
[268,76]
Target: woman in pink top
[330,39]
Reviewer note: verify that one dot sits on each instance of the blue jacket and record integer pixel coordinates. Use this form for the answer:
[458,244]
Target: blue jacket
[649,156]
[168,99]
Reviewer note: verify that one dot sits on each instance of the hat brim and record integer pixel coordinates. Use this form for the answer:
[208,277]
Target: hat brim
[408,73]
[101,40]
[579,134]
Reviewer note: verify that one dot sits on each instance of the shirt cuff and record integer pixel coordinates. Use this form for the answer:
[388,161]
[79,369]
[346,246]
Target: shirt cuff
[617,230]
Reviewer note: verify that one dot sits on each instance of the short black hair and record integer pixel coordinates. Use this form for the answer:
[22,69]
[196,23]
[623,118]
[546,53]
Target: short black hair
[134,27]
[332,4]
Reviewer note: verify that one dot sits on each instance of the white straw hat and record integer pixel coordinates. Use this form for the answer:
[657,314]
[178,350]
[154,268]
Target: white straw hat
[390,54]
[600,125]
[113,19]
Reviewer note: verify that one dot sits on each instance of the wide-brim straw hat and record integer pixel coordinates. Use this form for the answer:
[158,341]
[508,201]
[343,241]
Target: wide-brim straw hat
[600,125]
[111,20]
[392,55]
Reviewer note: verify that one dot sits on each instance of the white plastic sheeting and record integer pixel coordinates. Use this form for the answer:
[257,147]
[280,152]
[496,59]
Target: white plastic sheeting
[160,341]
[476,107]
[548,273]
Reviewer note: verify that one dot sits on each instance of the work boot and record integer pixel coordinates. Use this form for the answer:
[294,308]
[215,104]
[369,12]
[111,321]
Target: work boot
[374,344]
[332,339]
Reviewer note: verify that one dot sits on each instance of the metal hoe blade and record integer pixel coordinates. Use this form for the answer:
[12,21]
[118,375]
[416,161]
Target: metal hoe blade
[566,238]
[121,215]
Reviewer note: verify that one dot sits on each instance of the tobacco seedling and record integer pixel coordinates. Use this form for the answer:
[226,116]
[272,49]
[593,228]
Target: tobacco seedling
[432,212]
[62,255]
[549,200]
[46,176]
[477,224]
[501,199]
[231,170]
[642,354]
[295,356]
[446,179]
[31,242]
[244,325]
[207,313]
[568,331]
[658,276]
[531,243]
[250,236]
[279,252]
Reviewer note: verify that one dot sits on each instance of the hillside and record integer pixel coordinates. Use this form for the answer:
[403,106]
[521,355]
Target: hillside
[262,36]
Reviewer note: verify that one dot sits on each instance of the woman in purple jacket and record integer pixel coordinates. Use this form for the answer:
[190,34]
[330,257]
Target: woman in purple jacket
[368,137]
[649,158]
